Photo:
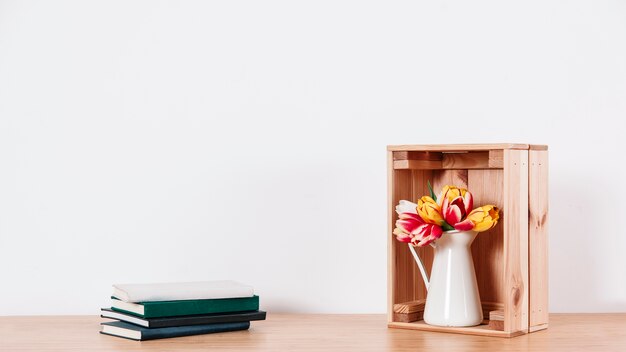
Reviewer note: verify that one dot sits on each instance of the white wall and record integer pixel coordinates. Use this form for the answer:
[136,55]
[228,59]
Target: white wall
[188,140]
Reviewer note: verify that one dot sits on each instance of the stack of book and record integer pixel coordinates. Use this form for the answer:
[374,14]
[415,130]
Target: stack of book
[155,311]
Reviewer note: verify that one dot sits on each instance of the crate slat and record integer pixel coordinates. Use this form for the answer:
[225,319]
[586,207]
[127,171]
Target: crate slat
[461,147]
[435,161]
[409,307]
[516,240]
[538,237]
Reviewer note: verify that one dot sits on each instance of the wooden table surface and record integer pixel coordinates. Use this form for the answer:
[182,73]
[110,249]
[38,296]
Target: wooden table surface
[291,332]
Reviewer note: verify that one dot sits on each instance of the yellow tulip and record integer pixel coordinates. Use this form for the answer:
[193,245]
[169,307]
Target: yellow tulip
[429,211]
[484,218]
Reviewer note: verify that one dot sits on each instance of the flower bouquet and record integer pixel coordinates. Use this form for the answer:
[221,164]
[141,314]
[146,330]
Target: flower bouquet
[449,223]
[422,223]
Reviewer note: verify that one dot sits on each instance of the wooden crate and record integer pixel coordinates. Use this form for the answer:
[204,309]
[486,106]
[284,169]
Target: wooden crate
[510,260]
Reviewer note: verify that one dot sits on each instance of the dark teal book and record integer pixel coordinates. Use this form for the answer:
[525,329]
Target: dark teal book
[186,307]
[139,333]
[201,319]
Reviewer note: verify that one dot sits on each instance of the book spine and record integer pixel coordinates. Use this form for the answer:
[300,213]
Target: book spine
[194,320]
[152,334]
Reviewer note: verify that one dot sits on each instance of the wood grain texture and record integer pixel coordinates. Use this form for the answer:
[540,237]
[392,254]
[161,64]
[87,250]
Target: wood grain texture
[489,307]
[410,307]
[516,240]
[346,333]
[408,317]
[492,306]
[417,164]
[537,327]
[496,325]
[496,315]
[480,330]
[496,319]
[496,159]
[538,237]
[469,160]
[442,178]
[408,155]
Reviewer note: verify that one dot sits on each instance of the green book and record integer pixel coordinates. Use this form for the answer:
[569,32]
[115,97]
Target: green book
[187,307]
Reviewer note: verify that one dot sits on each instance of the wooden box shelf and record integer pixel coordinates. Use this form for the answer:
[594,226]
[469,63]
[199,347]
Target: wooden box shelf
[510,259]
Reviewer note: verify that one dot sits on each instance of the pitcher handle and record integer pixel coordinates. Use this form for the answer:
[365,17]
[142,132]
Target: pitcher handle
[420,265]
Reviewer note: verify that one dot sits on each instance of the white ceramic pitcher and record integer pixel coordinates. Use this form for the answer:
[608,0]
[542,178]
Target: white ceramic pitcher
[453,298]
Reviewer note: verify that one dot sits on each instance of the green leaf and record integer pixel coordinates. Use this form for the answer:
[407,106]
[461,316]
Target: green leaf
[446,227]
[432,194]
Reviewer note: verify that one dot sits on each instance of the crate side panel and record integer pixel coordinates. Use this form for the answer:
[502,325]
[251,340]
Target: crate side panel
[401,272]
[538,237]
[488,248]
[391,249]
[516,240]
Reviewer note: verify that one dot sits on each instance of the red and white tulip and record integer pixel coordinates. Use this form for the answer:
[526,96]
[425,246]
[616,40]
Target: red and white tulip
[456,203]
[411,228]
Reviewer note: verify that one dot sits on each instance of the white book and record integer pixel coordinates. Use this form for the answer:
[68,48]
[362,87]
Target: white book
[181,291]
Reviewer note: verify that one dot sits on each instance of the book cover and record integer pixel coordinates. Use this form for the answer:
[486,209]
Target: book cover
[186,307]
[139,333]
[184,320]
[176,291]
